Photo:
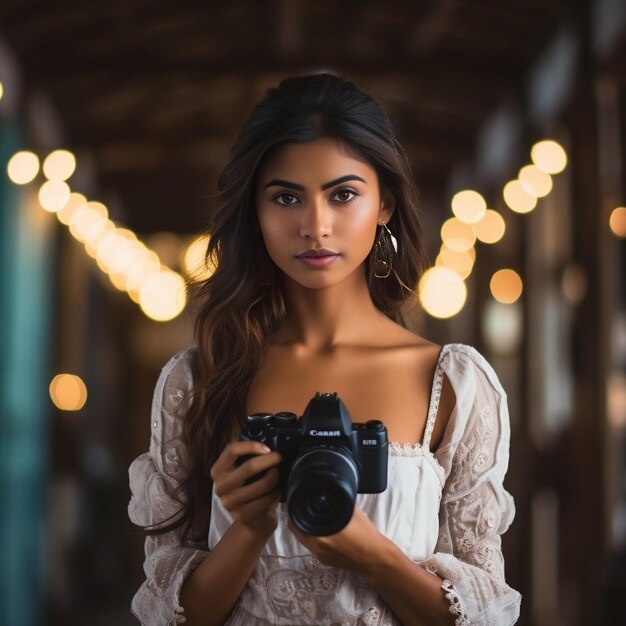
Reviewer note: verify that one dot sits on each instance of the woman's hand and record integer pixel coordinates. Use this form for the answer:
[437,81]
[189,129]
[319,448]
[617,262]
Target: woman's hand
[356,547]
[253,505]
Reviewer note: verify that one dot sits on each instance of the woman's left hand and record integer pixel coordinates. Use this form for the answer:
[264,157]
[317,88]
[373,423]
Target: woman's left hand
[355,547]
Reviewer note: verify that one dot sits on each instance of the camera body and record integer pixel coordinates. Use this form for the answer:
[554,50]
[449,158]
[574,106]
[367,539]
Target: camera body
[326,460]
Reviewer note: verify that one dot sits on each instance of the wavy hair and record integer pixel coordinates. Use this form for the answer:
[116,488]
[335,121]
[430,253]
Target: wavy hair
[242,303]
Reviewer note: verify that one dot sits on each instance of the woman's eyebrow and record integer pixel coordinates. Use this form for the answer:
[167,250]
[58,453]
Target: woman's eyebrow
[285,183]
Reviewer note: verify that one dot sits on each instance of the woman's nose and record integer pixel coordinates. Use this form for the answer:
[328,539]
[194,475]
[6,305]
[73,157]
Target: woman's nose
[316,220]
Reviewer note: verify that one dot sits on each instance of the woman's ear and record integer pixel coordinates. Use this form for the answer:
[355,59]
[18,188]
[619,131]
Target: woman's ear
[387,207]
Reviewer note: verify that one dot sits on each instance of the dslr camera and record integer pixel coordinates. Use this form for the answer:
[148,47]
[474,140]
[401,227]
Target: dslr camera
[326,460]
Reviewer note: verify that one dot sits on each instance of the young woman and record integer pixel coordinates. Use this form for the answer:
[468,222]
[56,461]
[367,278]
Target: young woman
[315,244]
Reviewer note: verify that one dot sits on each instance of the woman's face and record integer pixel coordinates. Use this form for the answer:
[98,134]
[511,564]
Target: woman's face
[314,196]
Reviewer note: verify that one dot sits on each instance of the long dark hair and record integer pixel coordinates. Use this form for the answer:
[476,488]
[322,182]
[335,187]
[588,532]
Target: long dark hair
[241,304]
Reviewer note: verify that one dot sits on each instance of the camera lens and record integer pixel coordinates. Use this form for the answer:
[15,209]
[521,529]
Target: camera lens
[321,491]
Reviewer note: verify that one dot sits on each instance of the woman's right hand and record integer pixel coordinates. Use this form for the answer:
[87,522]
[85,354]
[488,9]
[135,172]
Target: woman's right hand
[254,504]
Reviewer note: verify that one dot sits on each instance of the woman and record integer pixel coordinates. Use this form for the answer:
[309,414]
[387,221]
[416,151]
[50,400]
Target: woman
[317,172]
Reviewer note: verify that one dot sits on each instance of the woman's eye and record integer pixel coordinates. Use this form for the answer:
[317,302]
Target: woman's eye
[287,198]
[345,195]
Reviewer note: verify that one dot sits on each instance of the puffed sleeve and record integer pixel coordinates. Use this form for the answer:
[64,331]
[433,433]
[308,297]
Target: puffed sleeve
[475,507]
[154,482]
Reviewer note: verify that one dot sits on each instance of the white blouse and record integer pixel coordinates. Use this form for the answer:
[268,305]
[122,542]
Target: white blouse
[446,511]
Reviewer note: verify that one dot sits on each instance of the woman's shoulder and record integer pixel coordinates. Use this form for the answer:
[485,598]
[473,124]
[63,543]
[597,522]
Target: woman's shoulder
[175,379]
[169,403]
[466,365]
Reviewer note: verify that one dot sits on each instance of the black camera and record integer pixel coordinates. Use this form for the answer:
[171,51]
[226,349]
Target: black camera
[326,461]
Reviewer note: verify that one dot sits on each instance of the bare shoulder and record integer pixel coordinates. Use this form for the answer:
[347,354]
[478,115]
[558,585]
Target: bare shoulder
[420,356]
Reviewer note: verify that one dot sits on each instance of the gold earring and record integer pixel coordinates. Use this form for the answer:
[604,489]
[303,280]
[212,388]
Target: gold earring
[385,248]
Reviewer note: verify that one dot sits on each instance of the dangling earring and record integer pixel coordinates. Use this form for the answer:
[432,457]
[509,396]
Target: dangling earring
[385,249]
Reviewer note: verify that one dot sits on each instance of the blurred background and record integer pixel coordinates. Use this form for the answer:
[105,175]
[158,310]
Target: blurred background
[115,119]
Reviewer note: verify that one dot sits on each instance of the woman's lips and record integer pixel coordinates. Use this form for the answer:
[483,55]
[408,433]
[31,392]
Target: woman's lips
[319,261]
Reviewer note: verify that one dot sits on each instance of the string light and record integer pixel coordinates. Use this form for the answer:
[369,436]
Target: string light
[129,264]
[549,156]
[442,292]
[506,286]
[469,206]
[68,392]
[23,167]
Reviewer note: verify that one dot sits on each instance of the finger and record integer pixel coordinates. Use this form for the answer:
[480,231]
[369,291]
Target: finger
[232,499]
[255,465]
[233,451]
[253,509]
[234,478]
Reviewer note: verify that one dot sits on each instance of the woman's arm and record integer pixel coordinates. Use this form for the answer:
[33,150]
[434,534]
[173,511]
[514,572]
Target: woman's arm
[212,590]
[186,582]
[414,594]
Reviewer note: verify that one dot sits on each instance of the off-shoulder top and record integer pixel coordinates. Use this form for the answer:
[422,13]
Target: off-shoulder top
[446,510]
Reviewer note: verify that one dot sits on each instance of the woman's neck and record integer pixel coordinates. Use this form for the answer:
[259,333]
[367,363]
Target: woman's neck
[319,320]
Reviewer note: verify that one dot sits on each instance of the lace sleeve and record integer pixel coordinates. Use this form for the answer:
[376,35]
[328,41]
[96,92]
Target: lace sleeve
[154,481]
[475,508]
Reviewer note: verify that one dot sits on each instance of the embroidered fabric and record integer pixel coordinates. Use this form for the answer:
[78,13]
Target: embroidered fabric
[471,512]
[456,608]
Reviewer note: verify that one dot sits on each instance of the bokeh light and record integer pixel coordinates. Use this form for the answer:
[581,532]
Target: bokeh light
[534,181]
[517,198]
[442,292]
[457,235]
[89,221]
[54,195]
[75,201]
[163,296]
[460,262]
[193,260]
[59,165]
[506,286]
[68,392]
[468,206]
[549,156]
[491,228]
[617,221]
[23,167]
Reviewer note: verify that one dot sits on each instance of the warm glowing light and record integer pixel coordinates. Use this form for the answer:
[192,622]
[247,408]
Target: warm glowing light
[469,206]
[163,296]
[517,198]
[23,167]
[460,262]
[457,235]
[506,286]
[114,251]
[68,392]
[93,241]
[194,259]
[118,280]
[89,221]
[1,90]
[105,250]
[491,228]
[617,221]
[549,156]
[54,195]
[534,181]
[442,292]
[76,200]
[59,165]
[145,266]
[127,254]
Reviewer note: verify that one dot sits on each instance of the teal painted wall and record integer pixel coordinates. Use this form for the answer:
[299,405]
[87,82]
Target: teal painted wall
[26,309]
